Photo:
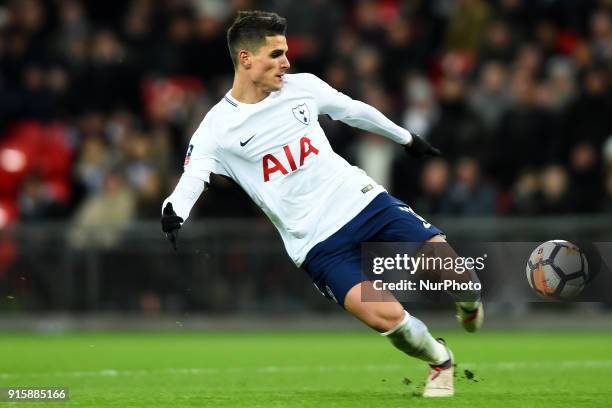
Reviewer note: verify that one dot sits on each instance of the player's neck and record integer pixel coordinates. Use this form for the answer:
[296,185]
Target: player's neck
[245,91]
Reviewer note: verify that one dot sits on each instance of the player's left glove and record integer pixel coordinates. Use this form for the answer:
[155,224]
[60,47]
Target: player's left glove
[171,223]
[419,148]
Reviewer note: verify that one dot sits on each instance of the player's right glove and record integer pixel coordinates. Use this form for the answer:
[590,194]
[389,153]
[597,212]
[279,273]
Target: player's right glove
[419,148]
[171,223]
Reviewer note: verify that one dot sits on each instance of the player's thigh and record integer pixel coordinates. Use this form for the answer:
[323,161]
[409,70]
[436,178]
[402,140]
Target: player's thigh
[402,224]
[437,247]
[334,273]
[377,309]
[418,235]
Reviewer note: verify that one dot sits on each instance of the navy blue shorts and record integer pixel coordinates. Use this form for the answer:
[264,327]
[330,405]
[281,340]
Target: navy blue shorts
[334,265]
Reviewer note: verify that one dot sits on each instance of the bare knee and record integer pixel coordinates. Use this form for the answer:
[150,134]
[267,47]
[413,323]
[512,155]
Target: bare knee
[387,317]
[381,315]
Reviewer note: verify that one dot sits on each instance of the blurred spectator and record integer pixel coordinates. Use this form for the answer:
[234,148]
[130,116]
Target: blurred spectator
[94,162]
[367,64]
[524,133]
[525,194]
[555,190]
[72,32]
[467,24]
[102,217]
[209,43]
[375,156]
[458,131]
[435,180]
[585,173]
[38,100]
[582,55]
[601,32]
[404,52]
[37,201]
[559,84]
[105,84]
[516,13]
[529,61]
[369,23]
[345,44]
[469,194]
[589,119]
[173,53]
[491,98]
[546,35]
[143,172]
[498,44]
[422,112]
[373,153]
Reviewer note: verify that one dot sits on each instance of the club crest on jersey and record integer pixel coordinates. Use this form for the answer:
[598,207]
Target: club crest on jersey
[302,113]
[188,155]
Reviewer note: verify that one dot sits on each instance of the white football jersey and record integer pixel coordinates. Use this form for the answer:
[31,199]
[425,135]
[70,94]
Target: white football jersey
[277,152]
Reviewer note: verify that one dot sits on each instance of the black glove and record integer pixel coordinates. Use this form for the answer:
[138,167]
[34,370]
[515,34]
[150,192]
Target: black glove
[171,223]
[419,148]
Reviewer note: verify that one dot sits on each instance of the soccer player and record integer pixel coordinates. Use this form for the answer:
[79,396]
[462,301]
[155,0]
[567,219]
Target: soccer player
[264,134]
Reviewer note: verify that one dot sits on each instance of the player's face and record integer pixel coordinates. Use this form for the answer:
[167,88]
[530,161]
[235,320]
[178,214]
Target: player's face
[269,63]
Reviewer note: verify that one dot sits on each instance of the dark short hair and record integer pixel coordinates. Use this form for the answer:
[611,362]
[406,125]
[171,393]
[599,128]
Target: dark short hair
[250,29]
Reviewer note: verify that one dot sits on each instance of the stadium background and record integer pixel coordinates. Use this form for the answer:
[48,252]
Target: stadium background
[99,99]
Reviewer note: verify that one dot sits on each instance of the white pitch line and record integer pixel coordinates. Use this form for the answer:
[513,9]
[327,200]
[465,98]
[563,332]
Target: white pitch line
[513,365]
[502,365]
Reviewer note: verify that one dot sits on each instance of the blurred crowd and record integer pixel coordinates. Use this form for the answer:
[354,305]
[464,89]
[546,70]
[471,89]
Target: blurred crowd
[99,99]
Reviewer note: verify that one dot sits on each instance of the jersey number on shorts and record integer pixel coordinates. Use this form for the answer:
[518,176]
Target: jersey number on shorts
[411,211]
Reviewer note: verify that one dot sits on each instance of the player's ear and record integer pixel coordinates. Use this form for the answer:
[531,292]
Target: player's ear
[244,58]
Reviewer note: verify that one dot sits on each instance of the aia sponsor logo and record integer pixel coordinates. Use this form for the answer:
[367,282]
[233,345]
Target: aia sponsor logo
[272,164]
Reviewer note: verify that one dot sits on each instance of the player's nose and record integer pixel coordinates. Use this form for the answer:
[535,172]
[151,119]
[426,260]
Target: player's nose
[285,63]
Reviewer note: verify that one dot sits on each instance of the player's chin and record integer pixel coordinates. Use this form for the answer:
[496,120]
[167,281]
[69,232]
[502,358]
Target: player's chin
[277,83]
[275,87]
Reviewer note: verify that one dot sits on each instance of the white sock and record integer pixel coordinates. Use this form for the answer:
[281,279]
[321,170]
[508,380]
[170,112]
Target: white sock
[412,337]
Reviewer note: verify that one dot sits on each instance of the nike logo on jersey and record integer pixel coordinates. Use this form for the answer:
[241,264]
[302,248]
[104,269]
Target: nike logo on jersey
[242,144]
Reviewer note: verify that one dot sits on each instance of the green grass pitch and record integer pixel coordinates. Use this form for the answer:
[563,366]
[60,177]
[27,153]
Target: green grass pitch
[306,369]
